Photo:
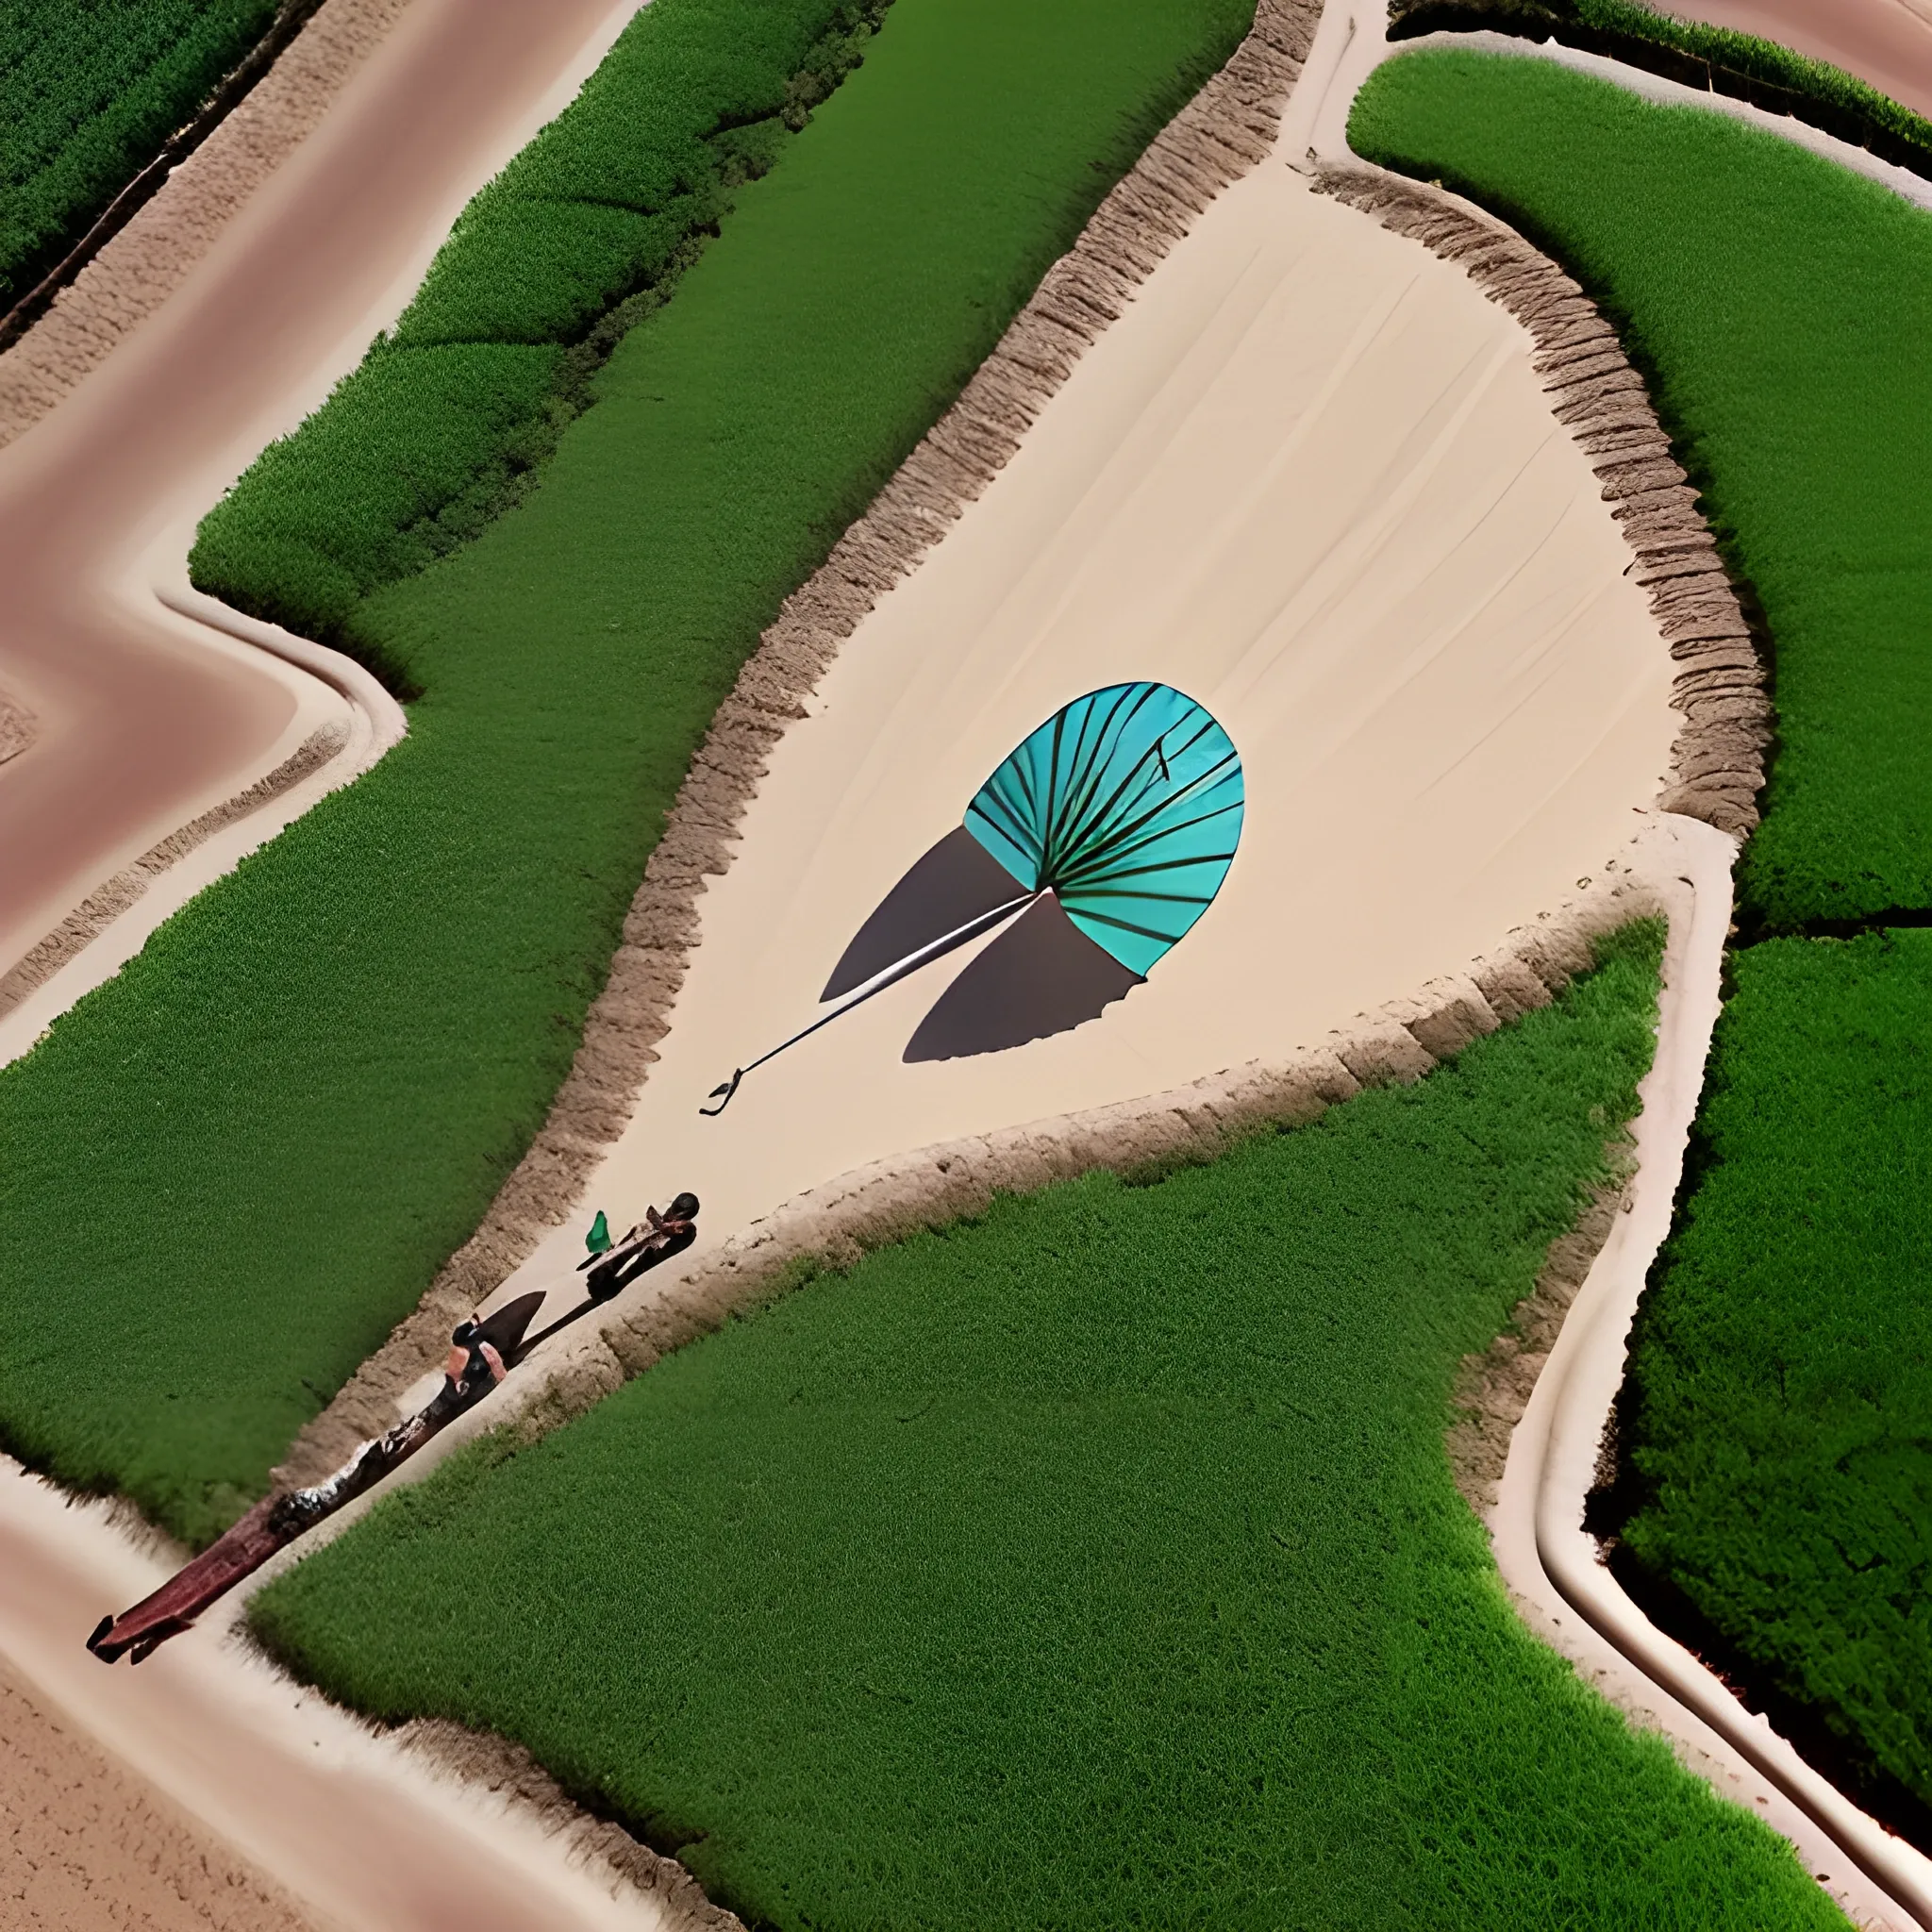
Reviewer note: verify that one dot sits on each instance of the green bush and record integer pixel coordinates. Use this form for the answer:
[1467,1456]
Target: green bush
[1780,1398]
[586,232]
[1780,306]
[88,94]
[226,1173]
[1093,1563]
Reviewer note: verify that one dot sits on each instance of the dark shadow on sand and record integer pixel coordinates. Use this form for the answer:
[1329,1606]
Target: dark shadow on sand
[957,881]
[655,1259]
[1042,976]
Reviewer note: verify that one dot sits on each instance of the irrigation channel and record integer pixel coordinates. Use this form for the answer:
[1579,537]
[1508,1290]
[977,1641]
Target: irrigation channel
[1407,805]
[1546,1555]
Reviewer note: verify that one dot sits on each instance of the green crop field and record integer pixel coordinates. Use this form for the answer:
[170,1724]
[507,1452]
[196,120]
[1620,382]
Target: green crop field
[1780,304]
[1781,1390]
[1850,106]
[231,1170]
[1093,1563]
[1778,1418]
[88,94]
[450,418]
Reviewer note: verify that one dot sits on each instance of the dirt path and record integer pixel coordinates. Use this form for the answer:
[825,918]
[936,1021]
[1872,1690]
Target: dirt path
[1888,42]
[141,720]
[358,1830]
[1546,1558]
[83,1843]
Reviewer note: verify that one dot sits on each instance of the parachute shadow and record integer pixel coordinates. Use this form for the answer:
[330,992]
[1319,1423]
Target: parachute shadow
[1040,977]
[952,884]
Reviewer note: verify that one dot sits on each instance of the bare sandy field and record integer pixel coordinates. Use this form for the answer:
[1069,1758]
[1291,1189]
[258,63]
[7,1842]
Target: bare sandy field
[1888,42]
[362,1832]
[1311,479]
[143,720]
[84,1844]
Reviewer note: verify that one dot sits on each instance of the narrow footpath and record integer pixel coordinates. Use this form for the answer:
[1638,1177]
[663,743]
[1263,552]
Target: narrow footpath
[365,1835]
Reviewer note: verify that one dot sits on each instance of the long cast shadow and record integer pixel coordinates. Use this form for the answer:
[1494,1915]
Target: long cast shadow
[952,884]
[1042,976]
[655,1259]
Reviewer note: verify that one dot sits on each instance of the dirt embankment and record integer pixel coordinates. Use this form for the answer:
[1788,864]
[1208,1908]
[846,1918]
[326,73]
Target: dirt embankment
[1599,397]
[85,1844]
[1718,685]
[1887,43]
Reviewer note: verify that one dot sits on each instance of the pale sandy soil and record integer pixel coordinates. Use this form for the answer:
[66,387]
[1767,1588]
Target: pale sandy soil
[1310,478]
[145,720]
[1888,42]
[362,1833]
[85,1844]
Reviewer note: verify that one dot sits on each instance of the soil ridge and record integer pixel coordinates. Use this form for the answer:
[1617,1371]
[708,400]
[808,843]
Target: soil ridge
[226,94]
[508,1770]
[1598,394]
[106,902]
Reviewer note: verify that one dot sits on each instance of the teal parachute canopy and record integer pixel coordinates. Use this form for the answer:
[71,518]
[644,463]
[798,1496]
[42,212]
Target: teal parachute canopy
[1126,805]
[1095,846]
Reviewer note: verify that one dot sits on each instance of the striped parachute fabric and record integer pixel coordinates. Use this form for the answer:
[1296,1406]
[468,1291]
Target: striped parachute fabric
[1126,805]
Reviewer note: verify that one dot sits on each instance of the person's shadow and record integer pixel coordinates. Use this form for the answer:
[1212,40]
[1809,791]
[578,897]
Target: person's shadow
[606,1291]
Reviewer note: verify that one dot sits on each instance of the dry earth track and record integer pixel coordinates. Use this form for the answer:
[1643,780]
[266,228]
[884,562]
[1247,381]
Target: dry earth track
[214,321]
[84,1844]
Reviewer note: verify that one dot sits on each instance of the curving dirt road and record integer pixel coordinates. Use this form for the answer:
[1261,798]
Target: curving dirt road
[143,720]
[1888,42]
[1552,1565]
